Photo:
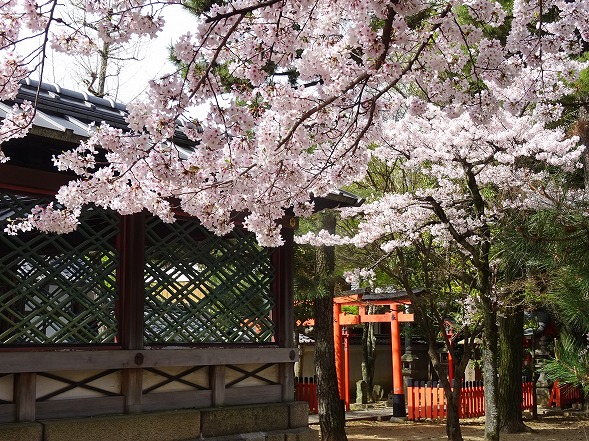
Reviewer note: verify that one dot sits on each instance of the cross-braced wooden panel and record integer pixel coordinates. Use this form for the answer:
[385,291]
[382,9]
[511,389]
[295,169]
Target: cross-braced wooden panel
[201,288]
[251,375]
[175,379]
[57,289]
[78,384]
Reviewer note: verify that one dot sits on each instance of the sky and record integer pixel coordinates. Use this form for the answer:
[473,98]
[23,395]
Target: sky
[134,76]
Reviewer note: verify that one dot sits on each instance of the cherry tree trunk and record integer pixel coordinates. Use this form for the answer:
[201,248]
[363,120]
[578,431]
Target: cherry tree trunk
[453,418]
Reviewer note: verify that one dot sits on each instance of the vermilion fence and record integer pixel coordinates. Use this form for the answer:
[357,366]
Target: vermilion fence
[427,401]
[564,396]
[527,395]
[306,390]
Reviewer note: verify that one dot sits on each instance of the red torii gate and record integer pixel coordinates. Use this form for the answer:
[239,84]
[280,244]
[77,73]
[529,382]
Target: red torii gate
[363,299]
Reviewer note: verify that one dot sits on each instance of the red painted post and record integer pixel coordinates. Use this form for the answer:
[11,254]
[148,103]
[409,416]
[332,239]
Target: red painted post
[337,349]
[346,368]
[398,396]
[428,401]
[450,361]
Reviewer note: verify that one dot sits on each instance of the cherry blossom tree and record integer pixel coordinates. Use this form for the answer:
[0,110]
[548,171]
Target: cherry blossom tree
[474,174]
[268,146]
[464,91]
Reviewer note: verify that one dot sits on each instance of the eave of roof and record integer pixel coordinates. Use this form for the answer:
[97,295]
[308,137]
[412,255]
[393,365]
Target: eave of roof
[69,116]
[64,113]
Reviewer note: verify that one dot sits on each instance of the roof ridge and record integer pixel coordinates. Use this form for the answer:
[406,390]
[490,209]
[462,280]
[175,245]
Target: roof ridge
[80,96]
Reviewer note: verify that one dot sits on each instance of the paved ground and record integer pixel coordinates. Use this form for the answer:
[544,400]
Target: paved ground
[382,414]
[375,425]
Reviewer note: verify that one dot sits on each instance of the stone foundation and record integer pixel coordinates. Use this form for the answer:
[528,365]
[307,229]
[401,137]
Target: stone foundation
[267,422]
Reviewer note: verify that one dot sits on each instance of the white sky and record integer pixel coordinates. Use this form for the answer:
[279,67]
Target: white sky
[133,80]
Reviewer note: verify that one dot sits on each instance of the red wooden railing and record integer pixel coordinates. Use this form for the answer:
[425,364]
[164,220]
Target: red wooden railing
[527,395]
[564,396]
[306,390]
[426,401]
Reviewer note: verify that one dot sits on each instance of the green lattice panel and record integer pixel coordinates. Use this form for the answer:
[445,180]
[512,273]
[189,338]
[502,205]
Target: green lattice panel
[201,288]
[57,289]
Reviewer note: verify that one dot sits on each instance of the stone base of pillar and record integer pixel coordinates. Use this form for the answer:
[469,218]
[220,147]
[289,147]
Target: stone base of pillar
[399,406]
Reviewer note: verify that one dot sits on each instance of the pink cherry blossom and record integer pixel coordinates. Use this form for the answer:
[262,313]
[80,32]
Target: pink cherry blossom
[321,88]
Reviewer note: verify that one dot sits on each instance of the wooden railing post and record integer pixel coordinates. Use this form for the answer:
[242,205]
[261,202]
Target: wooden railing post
[133,389]
[25,396]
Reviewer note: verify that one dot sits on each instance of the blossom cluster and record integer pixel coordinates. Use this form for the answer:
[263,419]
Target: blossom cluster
[318,89]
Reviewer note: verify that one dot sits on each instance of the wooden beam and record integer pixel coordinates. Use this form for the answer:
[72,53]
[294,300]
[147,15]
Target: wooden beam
[7,413]
[15,362]
[345,300]
[286,373]
[346,319]
[386,317]
[184,399]
[22,179]
[353,301]
[282,288]
[25,396]
[405,318]
[376,318]
[80,407]
[253,395]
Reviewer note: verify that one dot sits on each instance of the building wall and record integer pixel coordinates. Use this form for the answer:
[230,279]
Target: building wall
[128,315]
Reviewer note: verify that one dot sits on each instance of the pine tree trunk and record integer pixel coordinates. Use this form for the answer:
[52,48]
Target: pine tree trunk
[490,370]
[331,408]
[510,367]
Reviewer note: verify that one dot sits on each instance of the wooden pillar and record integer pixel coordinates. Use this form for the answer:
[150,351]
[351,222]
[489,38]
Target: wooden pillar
[346,369]
[283,314]
[398,396]
[337,349]
[132,285]
[25,396]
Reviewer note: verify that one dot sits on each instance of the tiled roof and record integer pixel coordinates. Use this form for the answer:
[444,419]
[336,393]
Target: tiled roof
[64,110]
[67,112]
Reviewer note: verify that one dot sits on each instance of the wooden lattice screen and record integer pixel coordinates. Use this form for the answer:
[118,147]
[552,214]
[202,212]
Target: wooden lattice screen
[205,289]
[57,289]
[199,288]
